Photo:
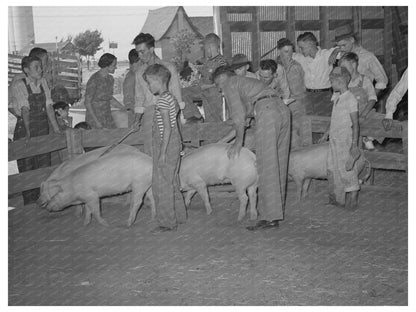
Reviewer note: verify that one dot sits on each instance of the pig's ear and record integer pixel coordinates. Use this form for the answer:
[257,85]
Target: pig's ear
[56,189]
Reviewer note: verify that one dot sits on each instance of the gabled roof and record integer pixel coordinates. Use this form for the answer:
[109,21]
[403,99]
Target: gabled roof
[48,46]
[205,24]
[159,21]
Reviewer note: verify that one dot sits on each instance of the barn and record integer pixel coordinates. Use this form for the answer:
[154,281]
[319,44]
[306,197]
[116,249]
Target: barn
[166,22]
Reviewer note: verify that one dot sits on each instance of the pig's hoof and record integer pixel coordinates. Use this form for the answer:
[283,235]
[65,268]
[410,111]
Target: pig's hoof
[130,223]
[87,221]
[209,211]
[253,217]
[240,217]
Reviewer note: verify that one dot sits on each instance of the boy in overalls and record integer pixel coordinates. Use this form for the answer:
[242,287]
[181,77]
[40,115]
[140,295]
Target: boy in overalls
[166,145]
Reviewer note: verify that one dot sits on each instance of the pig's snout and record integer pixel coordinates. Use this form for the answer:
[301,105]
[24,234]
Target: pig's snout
[41,202]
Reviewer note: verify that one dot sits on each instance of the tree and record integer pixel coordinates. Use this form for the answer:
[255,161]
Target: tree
[88,43]
[182,43]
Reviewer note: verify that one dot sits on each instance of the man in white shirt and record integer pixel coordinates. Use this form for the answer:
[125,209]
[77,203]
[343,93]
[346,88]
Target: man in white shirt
[315,64]
[394,98]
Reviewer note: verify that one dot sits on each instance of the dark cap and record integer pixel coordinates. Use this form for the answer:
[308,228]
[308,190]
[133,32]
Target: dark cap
[212,38]
[239,60]
[344,32]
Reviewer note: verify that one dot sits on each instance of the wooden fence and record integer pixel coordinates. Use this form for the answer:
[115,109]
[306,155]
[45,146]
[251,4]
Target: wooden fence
[195,135]
[65,70]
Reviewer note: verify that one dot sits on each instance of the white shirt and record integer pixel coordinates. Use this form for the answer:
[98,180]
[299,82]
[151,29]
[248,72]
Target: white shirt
[396,96]
[370,66]
[316,69]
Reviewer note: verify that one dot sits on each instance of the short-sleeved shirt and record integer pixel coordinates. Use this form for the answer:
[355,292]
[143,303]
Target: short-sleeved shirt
[20,96]
[396,96]
[365,83]
[296,79]
[143,98]
[316,69]
[240,94]
[370,66]
[341,124]
[168,102]
[210,66]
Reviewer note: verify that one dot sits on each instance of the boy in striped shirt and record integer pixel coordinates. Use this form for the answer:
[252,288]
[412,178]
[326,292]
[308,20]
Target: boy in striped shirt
[166,145]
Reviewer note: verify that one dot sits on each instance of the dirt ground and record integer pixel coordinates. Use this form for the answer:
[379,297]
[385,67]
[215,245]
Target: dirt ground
[320,255]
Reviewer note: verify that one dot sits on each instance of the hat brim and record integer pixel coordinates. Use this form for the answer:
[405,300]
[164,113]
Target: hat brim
[238,65]
[344,36]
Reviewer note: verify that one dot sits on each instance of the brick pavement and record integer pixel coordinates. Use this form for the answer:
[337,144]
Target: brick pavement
[320,255]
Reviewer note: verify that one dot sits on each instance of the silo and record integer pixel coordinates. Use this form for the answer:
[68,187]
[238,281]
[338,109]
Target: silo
[21,27]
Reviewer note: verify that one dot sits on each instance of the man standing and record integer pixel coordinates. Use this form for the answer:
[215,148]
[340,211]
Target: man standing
[129,86]
[245,97]
[144,99]
[368,64]
[204,88]
[315,64]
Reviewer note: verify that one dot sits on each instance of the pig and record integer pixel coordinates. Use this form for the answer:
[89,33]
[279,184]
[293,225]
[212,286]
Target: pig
[123,169]
[209,165]
[310,163]
[47,191]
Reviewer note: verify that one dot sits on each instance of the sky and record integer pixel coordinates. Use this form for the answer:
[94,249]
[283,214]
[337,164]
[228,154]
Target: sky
[117,23]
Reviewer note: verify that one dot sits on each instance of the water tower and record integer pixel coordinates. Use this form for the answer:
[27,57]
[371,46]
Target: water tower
[21,27]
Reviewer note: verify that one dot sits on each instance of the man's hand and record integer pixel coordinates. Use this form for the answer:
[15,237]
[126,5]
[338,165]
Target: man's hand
[387,123]
[324,137]
[355,152]
[333,57]
[233,151]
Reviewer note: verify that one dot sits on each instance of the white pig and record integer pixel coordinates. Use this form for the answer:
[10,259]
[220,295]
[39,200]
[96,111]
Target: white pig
[310,163]
[210,165]
[122,170]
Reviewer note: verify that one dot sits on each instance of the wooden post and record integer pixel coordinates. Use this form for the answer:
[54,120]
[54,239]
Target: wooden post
[255,39]
[79,76]
[306,131]
[357,13]
[290,24]
[74,142]
[323,16]
[226,33]
[405,137]
[388,40]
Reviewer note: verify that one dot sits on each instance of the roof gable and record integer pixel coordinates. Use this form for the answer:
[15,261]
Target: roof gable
[158,21]
[48,46]
[204,24]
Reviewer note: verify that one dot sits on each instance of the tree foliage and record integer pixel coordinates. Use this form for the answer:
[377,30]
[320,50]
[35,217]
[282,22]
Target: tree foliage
[88,42]
[182,43]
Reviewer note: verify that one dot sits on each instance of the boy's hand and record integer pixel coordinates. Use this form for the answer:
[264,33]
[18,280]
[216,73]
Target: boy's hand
[355,152]
[387,123]
[333,57]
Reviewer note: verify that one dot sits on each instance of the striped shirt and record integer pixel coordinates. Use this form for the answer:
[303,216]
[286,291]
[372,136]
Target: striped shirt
[168,102]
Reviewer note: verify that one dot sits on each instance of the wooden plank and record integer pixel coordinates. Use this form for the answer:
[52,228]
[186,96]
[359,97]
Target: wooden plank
[241,26]
[67,63]
[273,26]
[307,25]
[373,23]
[68,70]
[74,142]
[239,9]
[68,56]
[386,160]
[36,146]
[15,56]
[255,39]
[357,15]
[333,24]
[28,180]
[290,26]
[104,137]
[324,36]
[226,33]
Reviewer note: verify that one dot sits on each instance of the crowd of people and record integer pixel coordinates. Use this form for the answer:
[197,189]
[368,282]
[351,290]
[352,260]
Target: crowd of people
[343,82]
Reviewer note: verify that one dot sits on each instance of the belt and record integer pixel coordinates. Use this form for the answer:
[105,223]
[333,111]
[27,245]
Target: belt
[318,90]
[265,97]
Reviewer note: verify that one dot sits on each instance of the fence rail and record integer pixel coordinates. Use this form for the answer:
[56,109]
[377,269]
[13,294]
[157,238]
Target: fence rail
[195,134]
